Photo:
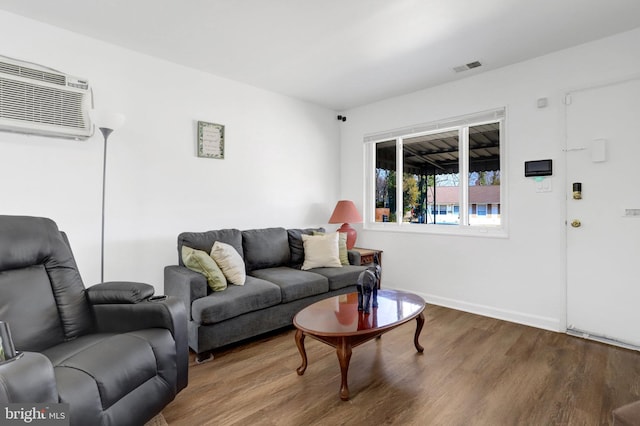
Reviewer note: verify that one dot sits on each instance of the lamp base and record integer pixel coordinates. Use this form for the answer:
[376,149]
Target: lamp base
[351,235]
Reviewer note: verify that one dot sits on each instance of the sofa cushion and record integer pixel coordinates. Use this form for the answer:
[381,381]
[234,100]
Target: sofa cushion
[204,240]
[340,277]
[294,284]
[200,261]
[321,251]
[295,245]
[255,294]
[265,248]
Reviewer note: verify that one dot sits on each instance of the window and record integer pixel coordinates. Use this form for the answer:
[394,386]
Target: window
[445,173]
[385,184]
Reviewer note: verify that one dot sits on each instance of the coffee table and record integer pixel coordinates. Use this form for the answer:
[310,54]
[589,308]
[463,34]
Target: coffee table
[336,321]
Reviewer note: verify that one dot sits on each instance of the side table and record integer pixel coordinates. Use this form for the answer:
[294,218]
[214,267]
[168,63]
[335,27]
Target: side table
[366,256]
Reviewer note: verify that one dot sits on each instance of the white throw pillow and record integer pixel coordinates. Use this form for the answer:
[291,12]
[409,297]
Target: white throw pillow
[321,251]
[230,261]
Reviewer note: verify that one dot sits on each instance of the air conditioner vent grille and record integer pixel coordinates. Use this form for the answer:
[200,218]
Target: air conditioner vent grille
[39,104]
[38,100]
[34,74]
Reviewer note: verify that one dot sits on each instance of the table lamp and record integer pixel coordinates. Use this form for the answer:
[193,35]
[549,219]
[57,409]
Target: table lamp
[344,213]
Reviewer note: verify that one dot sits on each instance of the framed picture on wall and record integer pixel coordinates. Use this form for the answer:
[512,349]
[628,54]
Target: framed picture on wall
[210,140]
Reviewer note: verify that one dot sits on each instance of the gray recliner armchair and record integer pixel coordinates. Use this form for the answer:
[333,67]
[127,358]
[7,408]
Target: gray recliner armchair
[116,357]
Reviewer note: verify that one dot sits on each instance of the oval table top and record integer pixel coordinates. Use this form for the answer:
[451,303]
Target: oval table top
[339,315]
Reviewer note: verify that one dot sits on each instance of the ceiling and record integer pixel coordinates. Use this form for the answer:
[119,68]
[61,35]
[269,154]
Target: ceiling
[338,53]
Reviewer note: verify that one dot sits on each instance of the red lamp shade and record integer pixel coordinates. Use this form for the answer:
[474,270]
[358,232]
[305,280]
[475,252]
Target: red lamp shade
[345,212]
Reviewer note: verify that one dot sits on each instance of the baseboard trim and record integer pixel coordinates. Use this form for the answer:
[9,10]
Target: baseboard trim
[602,339]
[546,323]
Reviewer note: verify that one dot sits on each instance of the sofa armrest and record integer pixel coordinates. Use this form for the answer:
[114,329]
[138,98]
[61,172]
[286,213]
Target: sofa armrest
[29,378]
[119,292]
[166,313]
[354,257]
[185,284]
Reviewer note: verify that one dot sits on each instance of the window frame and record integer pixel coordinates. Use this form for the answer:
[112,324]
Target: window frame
[497,115]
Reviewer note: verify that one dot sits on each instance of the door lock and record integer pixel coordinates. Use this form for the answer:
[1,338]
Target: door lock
[576,223]
[577,191]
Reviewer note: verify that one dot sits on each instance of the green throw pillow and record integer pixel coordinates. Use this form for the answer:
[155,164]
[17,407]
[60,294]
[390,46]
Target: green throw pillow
[342,246]
[200,261]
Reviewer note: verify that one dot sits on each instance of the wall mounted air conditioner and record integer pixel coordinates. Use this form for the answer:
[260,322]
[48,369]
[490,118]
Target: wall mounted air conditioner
[38,100]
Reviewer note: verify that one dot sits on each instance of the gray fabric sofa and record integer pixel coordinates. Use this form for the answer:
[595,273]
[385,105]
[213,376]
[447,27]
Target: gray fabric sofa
[275,290]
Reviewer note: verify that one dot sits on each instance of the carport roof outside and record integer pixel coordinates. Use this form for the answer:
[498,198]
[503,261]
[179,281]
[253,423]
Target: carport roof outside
[438,153]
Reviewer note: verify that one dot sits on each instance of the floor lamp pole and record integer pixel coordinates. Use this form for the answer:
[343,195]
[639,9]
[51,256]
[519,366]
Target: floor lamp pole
[105,133]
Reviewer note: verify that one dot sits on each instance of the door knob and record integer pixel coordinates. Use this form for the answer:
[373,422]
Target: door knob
[576,223]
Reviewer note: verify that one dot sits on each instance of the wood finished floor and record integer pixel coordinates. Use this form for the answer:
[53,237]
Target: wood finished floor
[474,371]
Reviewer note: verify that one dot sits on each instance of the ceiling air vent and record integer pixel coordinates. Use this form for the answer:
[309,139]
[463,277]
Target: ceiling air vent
[42,101]
[465,67]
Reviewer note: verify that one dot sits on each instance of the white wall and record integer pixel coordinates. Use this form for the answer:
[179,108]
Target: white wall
[281,164]
[285,166]
[521,278]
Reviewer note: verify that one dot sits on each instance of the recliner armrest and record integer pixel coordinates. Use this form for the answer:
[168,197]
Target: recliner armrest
[168,313]
[29,378]
[119,292]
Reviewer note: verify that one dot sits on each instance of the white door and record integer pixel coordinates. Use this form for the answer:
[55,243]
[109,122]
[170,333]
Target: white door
[603,248]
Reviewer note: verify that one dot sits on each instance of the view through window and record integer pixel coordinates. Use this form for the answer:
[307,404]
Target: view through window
[440,177]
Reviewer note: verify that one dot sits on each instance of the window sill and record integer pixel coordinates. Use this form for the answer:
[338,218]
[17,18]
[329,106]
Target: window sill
[464,231]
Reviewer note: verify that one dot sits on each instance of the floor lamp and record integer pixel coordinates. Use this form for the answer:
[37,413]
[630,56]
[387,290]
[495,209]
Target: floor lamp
[107,122]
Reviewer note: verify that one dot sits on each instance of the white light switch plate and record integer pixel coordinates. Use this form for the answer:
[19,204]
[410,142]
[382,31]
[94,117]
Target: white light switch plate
[543,185]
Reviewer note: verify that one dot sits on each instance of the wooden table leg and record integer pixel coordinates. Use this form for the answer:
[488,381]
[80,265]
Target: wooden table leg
[420,323]
[344,356]
[303,353]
